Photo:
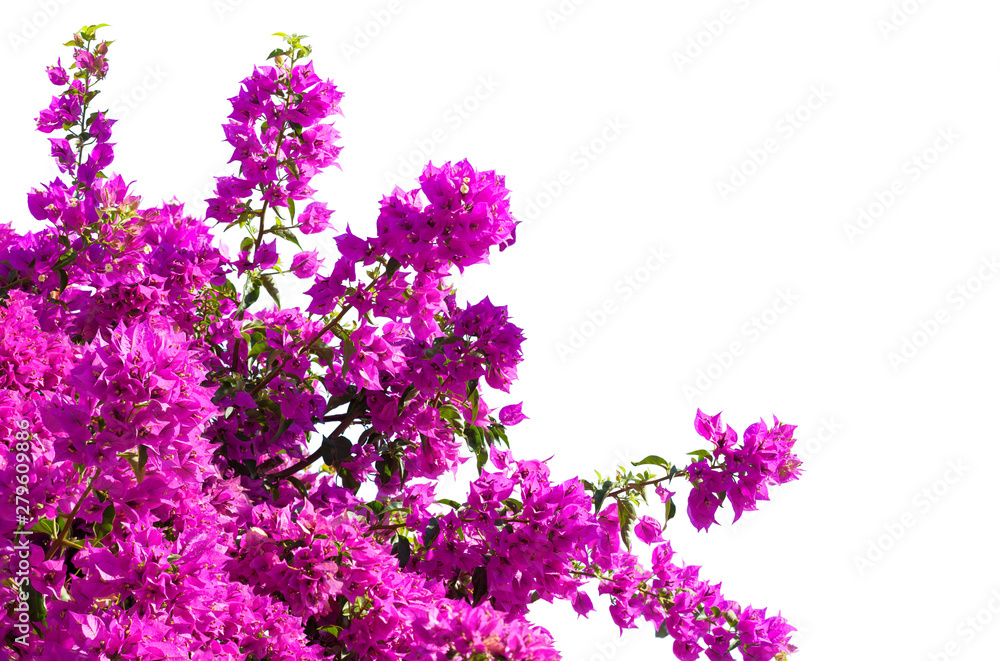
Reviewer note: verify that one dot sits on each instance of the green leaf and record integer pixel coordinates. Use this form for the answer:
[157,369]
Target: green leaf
[337,402]
[257,348]
[104,528]
[626,515]
[108,518]
[513,504]
[283,427]
[286,234]
[63,280]
[88,31]
[653,460]
[299,485]
[482,456]
[474,400]
[65,259]
[401,549]
[480,585]
[324,353]
[475,438]
[246,243]
[275,53]
[291,209]
[391,268]
[348,350]
[450,503]
[37,611]
[271,288]
[139,463]
[329,453]
[46,526]
[342,447]
[476,441]
[702,454]
[408,395]
[500,432]
[454,417]
[431,531]
[348,480]
[386,468]
[600,495]
[671,511]
[251,296]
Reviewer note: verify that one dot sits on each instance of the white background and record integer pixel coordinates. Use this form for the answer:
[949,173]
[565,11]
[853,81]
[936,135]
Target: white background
[537,83]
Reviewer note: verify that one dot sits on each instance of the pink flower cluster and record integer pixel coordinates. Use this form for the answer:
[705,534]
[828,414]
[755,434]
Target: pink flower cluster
[677,602]
[175,425]
[739,472]
[467,214]
[279,139]
[519,533]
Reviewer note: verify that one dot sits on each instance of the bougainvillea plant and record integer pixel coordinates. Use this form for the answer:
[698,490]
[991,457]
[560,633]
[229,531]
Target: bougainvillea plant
[190,474]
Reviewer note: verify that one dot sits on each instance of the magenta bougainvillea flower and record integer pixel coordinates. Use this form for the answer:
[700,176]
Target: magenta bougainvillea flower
[198,475]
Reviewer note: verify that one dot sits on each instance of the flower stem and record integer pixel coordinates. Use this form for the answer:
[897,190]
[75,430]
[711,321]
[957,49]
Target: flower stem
[648,483]
[61,540]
